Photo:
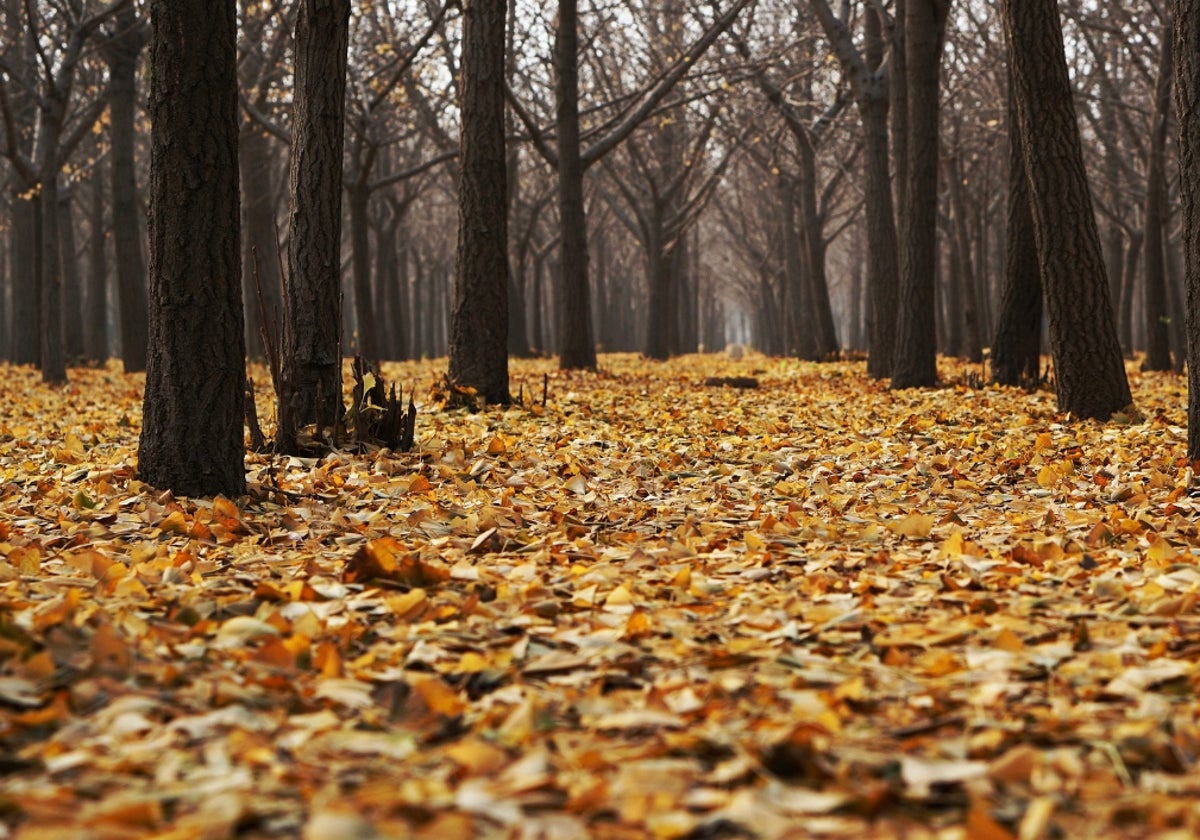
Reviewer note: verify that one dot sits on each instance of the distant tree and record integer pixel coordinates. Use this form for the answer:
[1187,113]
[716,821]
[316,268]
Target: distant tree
[479,317]
[126,38]
[1088,367]
[1187,106]
[192,439]
[1154,279]
[310,390]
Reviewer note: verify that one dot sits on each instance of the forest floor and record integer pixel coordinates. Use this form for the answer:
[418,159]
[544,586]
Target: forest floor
[649,608]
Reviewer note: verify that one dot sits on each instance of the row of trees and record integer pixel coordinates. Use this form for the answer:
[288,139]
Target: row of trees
[754,152]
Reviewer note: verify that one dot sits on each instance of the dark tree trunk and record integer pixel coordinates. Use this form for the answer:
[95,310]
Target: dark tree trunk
[358,198]
[479,319]
[54,363]
[95,321]
[1017,347]
[1187,106]
[72,288]
[192,440]
[1154,282]
[883,269]
[915,364]
[260,251]
[311,387]
[576,346]
[972,336]
[121,53]
[1089,370]
[1129,276]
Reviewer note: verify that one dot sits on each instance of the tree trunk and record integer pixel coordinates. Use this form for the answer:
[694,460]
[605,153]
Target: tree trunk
[54,363]
[192,440]
[479,319]
[1089,370]
[915,364]
[95,322]
[576,347]
[72,302]
[358,198]
[121,53]
[1187,106]
[1154,282]
[260,250]
[883,269]
[311,387]
[1016,349]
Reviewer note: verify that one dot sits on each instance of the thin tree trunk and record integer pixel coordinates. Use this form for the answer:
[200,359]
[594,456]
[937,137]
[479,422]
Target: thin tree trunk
[121,53]
[95,323]
[311,387]
[479,318]
[1154,281]
[577,348]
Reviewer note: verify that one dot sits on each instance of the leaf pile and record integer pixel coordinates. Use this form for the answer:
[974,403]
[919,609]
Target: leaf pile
[650,607]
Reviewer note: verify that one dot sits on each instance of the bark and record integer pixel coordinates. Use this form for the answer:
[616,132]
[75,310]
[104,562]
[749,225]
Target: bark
[972,340]
[479,318]
[1187,106]
[192,439]
[367,345]
[121,53]
[25,346]
[915,363]
[1016,349]
[53,361]
[311,382]
[95,322]
[1154,282]
[72,288]
[577,348]
[1089,370]
[260,251]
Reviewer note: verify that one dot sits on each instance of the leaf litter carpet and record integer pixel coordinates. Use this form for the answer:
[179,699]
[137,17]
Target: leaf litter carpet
[648,608]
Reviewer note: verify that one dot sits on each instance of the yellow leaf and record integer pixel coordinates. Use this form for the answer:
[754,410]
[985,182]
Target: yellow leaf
[916,525]
[439,697]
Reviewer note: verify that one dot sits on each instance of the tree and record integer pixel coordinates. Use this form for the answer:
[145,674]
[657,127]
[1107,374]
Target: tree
[915,361]
[192,439]
[576,346]
[869,85]
[121,50]
[1016,350]
[479,318]
[1088,367]
[1187,106]
[310,390]
[1154,285]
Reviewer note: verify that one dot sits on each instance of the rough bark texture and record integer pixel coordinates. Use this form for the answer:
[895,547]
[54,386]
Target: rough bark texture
[311,387]
[1089,370]
[121,53]
[1154,280]
[1187,106]
[1016,350]
[479,317]
[576,347]
[915,363]
[192,438]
